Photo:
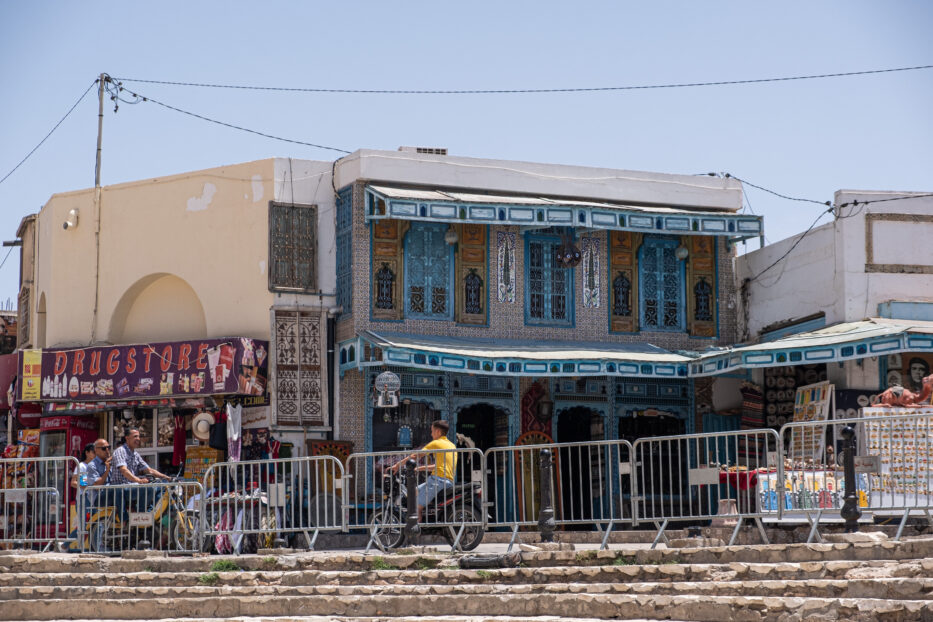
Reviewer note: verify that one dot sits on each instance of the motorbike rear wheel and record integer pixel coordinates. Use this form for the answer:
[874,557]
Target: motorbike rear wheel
[387,529]
[472,534]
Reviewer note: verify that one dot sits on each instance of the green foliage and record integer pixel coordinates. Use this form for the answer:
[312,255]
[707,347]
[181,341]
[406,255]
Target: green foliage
[210,578]
[585,556]
[225,565]
[485,575]
[423,563]
[380,564]
[622,560]
[148,569]
[269,561]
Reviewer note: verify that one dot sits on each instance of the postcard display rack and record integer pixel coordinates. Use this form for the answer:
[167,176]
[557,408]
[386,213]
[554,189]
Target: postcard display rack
[905,449]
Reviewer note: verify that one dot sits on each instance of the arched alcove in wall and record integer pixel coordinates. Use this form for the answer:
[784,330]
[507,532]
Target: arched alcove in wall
[158,307]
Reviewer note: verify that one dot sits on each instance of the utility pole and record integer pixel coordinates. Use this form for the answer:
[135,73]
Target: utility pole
[100,123]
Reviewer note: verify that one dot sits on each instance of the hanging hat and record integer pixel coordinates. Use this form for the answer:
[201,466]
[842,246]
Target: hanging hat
[201,425]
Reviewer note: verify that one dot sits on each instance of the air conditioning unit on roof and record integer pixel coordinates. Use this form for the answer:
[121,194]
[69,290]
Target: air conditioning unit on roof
[428,150]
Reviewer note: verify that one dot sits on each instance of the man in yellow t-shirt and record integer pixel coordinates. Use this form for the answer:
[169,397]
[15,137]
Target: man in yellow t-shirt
[445,464]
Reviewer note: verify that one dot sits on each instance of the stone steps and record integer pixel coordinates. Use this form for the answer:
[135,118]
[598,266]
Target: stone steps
[892,589]
[566,605]
[780,583]
[833,570]
[797,553]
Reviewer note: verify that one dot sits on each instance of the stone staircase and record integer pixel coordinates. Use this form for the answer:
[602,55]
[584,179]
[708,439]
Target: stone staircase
[841,581]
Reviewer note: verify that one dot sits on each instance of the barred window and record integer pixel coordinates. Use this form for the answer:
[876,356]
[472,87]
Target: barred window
[661,283]
[292,247]
[548,286]
[428,272]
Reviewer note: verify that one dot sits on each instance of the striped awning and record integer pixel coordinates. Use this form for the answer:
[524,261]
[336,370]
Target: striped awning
[391,202]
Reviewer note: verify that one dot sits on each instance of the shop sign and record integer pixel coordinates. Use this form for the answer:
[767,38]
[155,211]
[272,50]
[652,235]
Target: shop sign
[256,417]
[31,376]
[172,369]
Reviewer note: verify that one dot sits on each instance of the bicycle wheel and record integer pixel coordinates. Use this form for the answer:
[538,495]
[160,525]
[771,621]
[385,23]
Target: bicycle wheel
[185,530]
[387,529]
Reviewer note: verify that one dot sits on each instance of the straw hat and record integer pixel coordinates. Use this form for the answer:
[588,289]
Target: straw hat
[201,425]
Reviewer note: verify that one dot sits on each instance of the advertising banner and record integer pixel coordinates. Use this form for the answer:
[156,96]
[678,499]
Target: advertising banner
[234,365]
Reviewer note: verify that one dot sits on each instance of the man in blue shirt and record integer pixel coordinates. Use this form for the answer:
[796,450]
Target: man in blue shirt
[98,470]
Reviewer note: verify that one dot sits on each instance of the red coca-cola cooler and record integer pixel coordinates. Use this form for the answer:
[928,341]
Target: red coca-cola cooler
[60,436]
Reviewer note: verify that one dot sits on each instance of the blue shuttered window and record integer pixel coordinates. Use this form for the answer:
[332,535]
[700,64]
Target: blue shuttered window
[548,287]
[661,285]
[428,272]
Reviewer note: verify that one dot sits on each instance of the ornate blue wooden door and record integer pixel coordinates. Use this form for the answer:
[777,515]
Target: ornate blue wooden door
[428,272]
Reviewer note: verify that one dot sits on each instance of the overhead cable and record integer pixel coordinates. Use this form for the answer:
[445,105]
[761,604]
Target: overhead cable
[524,91]
[70,110]
[143,98]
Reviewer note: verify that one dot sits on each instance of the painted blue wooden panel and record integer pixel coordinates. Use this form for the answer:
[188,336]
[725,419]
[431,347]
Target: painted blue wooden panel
[549,292]
[429,270]
[661,283]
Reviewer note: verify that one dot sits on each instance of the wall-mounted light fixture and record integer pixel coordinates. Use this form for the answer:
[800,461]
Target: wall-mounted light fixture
[451,236]
[682,253]
[72,221]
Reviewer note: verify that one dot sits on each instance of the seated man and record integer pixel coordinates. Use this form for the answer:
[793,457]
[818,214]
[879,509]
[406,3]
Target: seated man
[444,468]
[128,467]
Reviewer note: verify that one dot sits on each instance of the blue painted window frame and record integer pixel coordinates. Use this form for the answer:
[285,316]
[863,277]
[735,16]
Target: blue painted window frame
[553,241]
[437,231]
[344,259]
[658,244]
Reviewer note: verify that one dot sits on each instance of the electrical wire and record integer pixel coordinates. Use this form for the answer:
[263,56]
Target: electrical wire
[2,263]
[524,91]
[790,250]
[144,98]
[777,194]
[62,120]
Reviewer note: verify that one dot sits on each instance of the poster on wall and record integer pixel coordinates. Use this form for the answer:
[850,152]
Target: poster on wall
[909,369]
[172,369]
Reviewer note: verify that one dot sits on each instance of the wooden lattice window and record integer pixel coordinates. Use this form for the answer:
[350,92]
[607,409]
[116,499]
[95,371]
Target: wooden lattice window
[292,247]
[548,289]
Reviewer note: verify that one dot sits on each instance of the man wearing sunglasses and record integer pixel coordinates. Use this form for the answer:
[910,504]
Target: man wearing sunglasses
[98,471]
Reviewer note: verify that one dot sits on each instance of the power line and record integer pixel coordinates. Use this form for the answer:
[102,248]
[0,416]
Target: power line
[70,110]
[144,98]
[790,250]
[2,263]
[524,91]
[777,194]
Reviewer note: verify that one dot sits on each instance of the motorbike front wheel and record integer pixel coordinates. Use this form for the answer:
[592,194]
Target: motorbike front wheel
[387,529]
[472,534]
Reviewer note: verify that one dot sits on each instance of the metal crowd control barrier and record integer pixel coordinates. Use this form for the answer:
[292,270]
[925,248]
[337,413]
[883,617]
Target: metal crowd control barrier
[35,494]
[893,473]
[376,497]
[257,504]
[154,516]
[589,484]
[703,476]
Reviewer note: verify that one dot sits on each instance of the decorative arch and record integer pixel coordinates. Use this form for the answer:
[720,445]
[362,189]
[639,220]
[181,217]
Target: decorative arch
[158,307]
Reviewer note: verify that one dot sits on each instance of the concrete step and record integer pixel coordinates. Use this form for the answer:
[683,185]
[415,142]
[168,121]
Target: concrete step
[562,605]
[455,618]
[778,553]
[919,589]
[609,573]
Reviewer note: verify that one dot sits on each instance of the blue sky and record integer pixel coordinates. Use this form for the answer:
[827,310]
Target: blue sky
[806,138]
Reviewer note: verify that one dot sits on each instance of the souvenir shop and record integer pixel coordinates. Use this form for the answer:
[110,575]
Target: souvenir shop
[202,399]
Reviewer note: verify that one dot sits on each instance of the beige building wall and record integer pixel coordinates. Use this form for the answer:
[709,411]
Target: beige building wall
[172,258]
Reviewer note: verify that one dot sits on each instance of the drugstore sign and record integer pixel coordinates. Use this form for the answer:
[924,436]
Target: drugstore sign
[176,369]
